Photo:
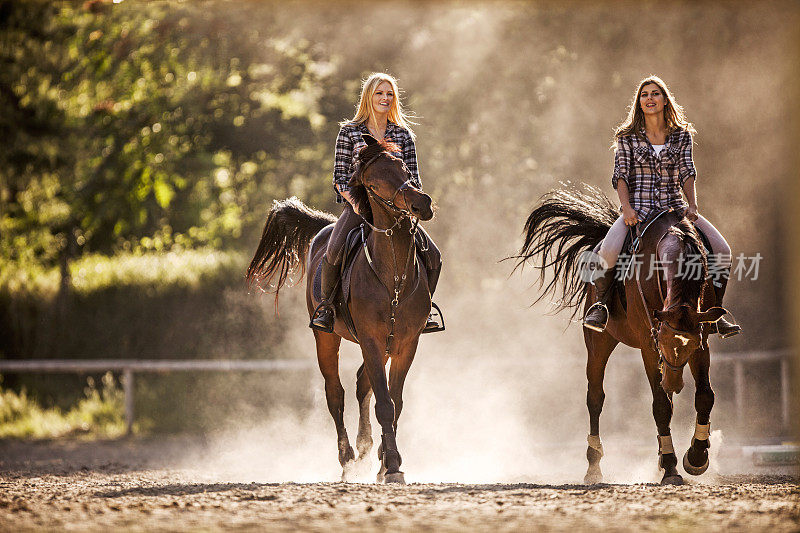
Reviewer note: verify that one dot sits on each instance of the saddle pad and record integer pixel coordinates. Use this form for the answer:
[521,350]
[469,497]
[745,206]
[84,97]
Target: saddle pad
[338,301]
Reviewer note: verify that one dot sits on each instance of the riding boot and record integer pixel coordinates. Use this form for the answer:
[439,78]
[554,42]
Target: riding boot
[432,325]
[723,326]
[597,316]
[325,315]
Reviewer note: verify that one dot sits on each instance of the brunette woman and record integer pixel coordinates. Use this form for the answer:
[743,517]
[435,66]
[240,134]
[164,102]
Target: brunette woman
[652,166]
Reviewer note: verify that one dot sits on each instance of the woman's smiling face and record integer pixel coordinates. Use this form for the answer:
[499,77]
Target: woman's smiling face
[382,98]
[652,99]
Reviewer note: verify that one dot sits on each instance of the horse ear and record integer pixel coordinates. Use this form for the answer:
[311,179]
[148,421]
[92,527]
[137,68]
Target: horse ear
[712,315]
[672,315]
[369,139]
[665,316]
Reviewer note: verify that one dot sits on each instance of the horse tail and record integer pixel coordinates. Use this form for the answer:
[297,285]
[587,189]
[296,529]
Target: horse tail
[284,243]
[566,223]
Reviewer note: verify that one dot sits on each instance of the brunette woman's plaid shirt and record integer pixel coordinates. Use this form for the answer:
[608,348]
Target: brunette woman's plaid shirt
[654,181]
[349,143]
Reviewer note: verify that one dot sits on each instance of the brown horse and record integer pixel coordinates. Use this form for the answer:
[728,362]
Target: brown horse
[389,300]
[660,315]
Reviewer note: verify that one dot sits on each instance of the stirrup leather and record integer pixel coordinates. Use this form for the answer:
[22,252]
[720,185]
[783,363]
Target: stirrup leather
[600,326]
[435,320]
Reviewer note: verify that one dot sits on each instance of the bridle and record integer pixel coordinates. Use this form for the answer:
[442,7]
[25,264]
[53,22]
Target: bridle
[402,214]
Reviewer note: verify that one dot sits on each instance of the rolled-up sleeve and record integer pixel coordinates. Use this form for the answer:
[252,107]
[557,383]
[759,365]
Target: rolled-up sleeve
[686,168]
[342,161]
[623,159]
[410,159]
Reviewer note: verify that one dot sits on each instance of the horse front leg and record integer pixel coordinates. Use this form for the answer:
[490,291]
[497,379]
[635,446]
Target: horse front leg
[398,371]
[328,359]
[662,413]
[374,365]
[363,395]
[695,461]
[599,347]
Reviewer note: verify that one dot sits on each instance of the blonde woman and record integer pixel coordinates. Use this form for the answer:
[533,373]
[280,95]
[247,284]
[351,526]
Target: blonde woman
[379,114]
[652,166]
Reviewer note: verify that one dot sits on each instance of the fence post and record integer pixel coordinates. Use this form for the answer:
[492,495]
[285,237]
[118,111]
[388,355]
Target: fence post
[128,387]
[785,394]
[738,385]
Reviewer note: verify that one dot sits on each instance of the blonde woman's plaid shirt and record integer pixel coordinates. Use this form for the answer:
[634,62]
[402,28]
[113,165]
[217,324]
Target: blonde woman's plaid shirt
[654,181]
[349,142]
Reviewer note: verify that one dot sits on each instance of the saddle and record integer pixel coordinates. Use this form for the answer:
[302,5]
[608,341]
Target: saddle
[652,230]
[354,244]
[657,225]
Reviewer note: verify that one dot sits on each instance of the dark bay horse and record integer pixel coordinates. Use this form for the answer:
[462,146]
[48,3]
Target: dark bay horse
[665,316]
[389,300]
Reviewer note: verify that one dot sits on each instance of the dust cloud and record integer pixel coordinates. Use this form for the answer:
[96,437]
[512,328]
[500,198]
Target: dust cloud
[513,98]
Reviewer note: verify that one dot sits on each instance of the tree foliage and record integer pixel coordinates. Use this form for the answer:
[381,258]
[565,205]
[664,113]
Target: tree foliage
[149,125]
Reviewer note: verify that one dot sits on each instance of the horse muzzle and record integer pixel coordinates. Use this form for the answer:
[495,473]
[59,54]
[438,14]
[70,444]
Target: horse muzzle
[421,206]
[672,379]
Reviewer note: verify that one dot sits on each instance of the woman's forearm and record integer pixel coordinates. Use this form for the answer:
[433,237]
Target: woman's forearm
[690,192]
[624,194]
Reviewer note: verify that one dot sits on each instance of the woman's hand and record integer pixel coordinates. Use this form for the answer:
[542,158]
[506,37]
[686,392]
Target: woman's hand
[691,213]
[631,219]
[347,196]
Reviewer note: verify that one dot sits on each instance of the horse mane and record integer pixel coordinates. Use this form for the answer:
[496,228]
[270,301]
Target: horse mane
[566,223]
[689,288]
[357,189]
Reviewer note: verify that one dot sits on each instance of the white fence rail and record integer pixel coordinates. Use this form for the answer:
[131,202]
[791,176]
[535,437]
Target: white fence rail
[128,368]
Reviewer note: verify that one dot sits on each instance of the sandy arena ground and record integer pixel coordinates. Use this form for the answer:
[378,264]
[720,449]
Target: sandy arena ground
[129,485]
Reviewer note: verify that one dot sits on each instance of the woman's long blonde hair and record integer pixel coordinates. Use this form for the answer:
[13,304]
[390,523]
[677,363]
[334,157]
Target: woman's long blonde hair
[673,113]
[364,110]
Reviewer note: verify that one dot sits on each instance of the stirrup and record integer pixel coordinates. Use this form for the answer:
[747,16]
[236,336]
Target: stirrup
[435,320]
[598,326]
[317,318]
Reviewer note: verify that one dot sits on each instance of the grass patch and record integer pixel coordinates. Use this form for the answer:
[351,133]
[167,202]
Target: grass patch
[99,413]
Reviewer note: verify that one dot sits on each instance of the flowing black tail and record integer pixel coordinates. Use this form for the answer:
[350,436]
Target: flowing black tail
[284,243]
[566,223]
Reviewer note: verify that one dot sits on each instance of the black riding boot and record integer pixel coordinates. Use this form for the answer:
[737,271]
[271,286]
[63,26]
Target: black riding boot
[433,324]
[597,316]
[325,315]
[723,326]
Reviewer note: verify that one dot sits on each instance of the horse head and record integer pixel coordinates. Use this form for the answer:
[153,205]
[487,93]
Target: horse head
[678,337]
[383,178]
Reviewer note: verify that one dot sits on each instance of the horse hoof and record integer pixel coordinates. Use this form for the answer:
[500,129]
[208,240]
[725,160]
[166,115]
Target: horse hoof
[349,471]
[672,480]
[395,477]
[690,468]
[592,478]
